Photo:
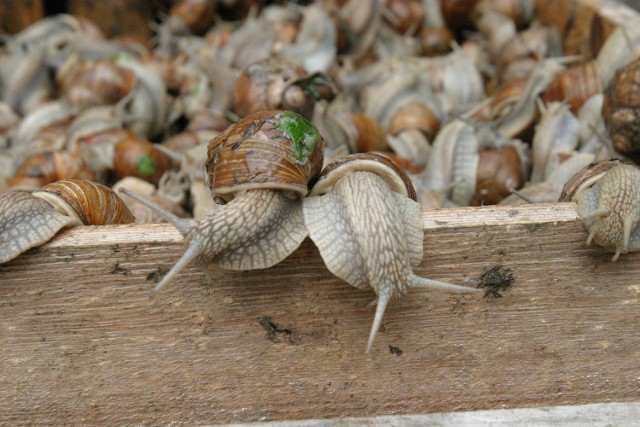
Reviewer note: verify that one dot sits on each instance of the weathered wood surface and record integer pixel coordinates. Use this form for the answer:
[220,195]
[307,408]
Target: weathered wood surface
[81,342]
[593,415]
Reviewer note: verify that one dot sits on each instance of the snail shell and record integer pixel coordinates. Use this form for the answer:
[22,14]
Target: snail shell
[90,202]
[29,220]
[48,167]
[608,197]
[575,85]
[621,109]
[262,166]
[272,83]
[244,156]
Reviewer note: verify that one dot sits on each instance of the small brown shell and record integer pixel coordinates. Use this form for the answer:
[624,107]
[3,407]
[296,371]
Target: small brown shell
[270,149]
[365,134]
[271,83]
[135,156]
[196,16]
[383,166]
[51,166]
[405,16]
[92,203]
[499,171]
[503,100]
[575,85]
[97,83]
[436,41]
[621,109]
[414,114]
[586,178]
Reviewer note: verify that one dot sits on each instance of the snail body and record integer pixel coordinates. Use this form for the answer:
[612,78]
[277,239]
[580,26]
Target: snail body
[259,169]
[608,197]
[29,220]
[363,216]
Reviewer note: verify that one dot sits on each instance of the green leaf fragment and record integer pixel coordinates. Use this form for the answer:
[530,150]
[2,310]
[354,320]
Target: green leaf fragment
[301,132]
[146,166]
[122,58]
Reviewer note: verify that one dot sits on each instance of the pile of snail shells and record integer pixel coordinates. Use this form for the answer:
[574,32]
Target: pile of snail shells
[472,101]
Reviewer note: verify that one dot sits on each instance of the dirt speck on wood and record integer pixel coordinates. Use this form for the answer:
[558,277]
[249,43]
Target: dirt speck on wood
[395,350]
[275,333]
[157,274]
[495,281]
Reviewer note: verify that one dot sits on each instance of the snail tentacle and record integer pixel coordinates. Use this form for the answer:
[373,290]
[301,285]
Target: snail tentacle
[384,296]
[194,250]
[181,224]
[423,282]
[247,233]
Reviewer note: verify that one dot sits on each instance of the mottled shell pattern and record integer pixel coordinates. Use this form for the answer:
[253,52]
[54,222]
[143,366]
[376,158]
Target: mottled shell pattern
[251,155]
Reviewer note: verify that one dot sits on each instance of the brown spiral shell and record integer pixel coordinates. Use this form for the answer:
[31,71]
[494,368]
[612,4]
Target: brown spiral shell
[92,202]
[195,15]
[621,109]
[499,171]
[575,85]
[436,41]
[44,168]
[404,15]
[270,149]
[364,133]
[586,178]
[135,156]
[97,83]
[414,115]
[270,83]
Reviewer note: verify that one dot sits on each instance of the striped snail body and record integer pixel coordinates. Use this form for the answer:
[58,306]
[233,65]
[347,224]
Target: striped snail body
[363,216]
[29,220]
[608,197]
[259,168]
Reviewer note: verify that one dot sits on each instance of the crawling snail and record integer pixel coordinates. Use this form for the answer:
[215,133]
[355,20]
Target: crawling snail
[363,216]
[608,197]
[260,167]
[28,220]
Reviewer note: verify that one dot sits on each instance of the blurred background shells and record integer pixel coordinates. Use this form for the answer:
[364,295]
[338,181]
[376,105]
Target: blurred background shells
[474,99]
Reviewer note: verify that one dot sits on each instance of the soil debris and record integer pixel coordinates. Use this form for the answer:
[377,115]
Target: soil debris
[274,332]
[156,275]
[395,350]
[495,281]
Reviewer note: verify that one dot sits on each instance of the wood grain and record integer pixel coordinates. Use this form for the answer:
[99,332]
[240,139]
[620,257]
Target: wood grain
[82,343]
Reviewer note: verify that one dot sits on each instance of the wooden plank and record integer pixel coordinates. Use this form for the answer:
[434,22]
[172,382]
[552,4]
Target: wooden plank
[81,342]
[592,415]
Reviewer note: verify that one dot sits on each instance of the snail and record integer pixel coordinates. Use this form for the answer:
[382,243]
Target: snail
[608,197]
[278,83]
[48,167]
[29,220]
[621,108]
[85,83]
[260,167]
[363,216]
[556,132]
